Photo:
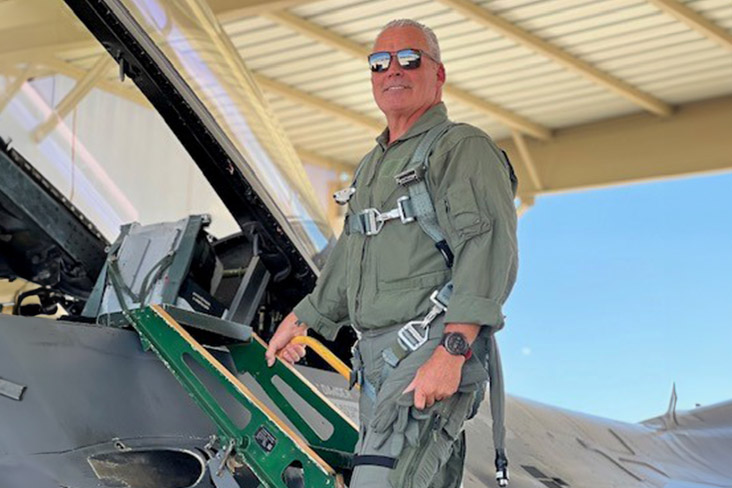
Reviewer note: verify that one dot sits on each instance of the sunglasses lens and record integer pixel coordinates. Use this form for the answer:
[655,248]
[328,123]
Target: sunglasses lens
[409,58]
[379,61]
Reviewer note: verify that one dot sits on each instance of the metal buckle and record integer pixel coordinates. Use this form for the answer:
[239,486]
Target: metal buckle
[372,222]
[502,477]
[411,338]
[401,202]
[410,176]
[434,298]
[343,196]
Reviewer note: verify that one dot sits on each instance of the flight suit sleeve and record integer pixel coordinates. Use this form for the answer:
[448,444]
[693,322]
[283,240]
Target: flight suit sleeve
[325,309]
[475,208]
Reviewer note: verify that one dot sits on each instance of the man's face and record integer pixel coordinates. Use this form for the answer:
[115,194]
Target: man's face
[404,92]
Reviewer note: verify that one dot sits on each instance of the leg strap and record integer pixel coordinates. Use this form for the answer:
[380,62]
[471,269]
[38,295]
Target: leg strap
[374,460]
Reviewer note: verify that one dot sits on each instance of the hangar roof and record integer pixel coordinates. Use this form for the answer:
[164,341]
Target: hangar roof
[561,84]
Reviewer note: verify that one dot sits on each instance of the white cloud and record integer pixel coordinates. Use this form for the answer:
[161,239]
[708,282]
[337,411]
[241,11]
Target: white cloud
[526,351]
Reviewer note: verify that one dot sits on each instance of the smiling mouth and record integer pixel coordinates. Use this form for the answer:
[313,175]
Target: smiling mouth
[396,88]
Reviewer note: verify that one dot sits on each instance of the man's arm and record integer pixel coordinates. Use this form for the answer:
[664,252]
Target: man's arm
[322,310]
[475,209]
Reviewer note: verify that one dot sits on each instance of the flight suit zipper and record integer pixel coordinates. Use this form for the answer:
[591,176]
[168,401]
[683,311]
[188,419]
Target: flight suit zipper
[359,291]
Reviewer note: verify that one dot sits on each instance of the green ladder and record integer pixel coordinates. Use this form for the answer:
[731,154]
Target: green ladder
[266,444]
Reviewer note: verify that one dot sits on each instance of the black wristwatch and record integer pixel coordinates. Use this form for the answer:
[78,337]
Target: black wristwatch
[456,344]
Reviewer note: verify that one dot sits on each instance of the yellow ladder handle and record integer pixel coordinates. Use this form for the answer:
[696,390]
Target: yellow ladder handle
[324,353]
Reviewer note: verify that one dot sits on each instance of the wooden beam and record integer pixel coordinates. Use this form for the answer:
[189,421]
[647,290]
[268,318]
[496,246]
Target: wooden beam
[632,149]
[486,18]
[74,96]
[336,41]
[696,21]
[318,103]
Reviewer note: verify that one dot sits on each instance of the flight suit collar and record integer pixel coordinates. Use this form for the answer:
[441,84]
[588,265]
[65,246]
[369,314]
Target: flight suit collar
[433,116]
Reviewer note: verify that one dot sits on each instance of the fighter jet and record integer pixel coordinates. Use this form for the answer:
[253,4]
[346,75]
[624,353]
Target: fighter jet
[85,401]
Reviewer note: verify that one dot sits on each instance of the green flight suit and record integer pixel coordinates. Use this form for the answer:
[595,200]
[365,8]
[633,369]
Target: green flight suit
[378,283]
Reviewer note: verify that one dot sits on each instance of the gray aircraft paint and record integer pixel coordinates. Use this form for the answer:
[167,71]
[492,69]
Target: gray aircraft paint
[91,390]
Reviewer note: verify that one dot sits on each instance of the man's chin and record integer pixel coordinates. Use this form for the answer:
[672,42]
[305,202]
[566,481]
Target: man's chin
[394,105]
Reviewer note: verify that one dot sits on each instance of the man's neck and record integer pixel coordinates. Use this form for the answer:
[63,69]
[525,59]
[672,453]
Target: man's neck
[400,123]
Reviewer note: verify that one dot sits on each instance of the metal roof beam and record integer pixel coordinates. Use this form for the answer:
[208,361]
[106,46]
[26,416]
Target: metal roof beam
[528,161]
[230,10]
[631,149]
[22,13]
[125,90]
[33,29]
[696,21]
[483,16]
[356,50]
[75,95]
[13,87]
[324,162]
[317,103]
[526,202]
[44,39]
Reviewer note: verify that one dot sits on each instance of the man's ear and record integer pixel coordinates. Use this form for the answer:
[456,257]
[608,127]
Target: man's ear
[441,74]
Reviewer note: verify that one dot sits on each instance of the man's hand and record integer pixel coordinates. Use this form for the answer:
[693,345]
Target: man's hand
[437,379]
[280,344]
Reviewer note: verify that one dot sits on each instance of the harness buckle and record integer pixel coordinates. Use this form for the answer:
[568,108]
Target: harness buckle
[437,302]
[402,202]
[410,336]
[410,176]
[343,196]
[372,222]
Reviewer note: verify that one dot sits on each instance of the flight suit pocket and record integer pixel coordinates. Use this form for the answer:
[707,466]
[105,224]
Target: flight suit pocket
[418,465]
[432,279]
[463,213]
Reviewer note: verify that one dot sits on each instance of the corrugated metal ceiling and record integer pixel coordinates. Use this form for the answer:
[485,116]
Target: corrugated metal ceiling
[631,40]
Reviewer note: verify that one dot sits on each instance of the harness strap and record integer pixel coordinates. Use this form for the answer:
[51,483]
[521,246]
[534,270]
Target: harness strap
[414,334]
[374,460]
[370,221]
[417,206]
[415,180]
[358,376]
[498,406]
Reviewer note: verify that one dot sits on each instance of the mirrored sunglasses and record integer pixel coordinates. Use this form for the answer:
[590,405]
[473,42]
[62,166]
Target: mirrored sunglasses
[407,59]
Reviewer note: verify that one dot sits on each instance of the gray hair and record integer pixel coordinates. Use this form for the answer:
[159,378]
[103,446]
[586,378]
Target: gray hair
[432,44]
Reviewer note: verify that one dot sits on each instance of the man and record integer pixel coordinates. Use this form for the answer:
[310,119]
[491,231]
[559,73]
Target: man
[378,278]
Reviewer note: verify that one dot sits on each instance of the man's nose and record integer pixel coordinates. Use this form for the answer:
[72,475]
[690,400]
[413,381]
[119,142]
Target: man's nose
[394,69]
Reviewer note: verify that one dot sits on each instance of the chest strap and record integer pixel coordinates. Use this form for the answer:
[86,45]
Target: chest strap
[416,206]
[370,221]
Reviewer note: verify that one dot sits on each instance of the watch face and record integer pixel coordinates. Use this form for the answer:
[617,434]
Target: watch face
[455,343]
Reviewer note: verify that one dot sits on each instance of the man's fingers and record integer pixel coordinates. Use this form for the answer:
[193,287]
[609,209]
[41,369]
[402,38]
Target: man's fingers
[296,351]
[410,387]
[420,399]
[301,349]
[270,354]
[287,329]
[287,356]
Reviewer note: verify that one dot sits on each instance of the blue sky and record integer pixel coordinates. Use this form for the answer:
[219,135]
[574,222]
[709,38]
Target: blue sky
[621,292]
